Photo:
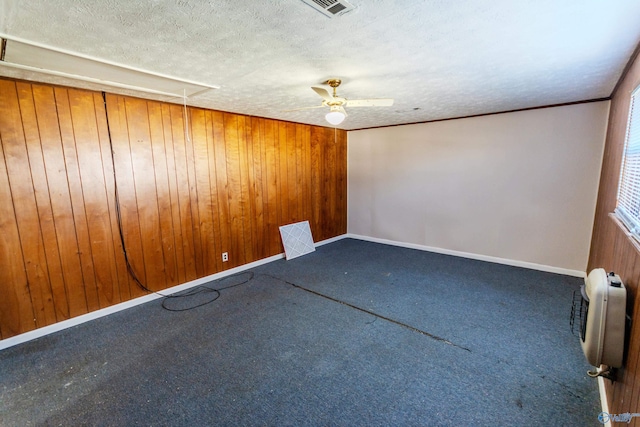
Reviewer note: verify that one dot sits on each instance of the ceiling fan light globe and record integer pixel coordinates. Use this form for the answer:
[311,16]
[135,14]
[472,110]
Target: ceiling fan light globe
[334,117]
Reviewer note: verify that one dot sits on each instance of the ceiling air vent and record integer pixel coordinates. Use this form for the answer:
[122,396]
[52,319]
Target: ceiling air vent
[330,8]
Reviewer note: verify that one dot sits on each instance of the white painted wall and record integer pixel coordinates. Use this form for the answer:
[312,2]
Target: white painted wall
[518,186]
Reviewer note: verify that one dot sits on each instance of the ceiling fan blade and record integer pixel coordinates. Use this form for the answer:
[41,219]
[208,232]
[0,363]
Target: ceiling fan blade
[343,111]
[303,108]
[323,93]
[380,102]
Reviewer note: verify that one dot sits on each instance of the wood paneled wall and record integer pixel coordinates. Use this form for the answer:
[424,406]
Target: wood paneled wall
[223,184]
[613,250]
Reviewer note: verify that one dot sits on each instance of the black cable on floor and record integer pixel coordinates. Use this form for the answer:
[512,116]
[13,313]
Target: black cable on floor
[168,303]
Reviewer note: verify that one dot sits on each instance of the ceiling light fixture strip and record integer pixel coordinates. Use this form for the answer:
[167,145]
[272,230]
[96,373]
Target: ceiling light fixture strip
[104,61]
[3,48]
[89,79]
[5,38]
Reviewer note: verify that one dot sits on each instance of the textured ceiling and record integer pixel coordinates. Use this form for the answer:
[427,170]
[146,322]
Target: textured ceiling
[438,59]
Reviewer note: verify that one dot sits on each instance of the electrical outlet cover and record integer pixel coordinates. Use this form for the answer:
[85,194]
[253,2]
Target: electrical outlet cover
[297,239]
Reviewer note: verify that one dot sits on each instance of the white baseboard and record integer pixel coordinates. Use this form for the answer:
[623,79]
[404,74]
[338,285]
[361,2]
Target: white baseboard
[40,332]
[37,333]
[604,403]
[514,263]
[46,330]
[331,240]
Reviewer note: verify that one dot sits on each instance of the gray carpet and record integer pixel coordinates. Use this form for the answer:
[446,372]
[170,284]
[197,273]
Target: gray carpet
[354,334]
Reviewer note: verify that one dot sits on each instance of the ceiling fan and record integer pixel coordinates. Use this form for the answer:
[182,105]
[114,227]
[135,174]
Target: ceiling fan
[336,103]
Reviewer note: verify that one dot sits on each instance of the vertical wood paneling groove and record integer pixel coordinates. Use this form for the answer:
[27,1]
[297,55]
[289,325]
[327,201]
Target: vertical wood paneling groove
[246,213]
[145,192]
[203,190]
[174,226]
[117,291]
[193,194]
[183,194]
[123,280]
[59,197]
[255,183]
[85,115]
[214,195]
[292,161]
[251,217]
[234,193]
[16,307]
[283,176]
[164,198]
[306,174]
[222,185]
[22,190]
[43,201]
[159,241]
[262,208]
[78,210]
[273,195]
[227,187]
[125,180]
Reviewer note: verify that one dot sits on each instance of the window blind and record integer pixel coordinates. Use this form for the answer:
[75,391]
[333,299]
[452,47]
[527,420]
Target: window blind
[628,206]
